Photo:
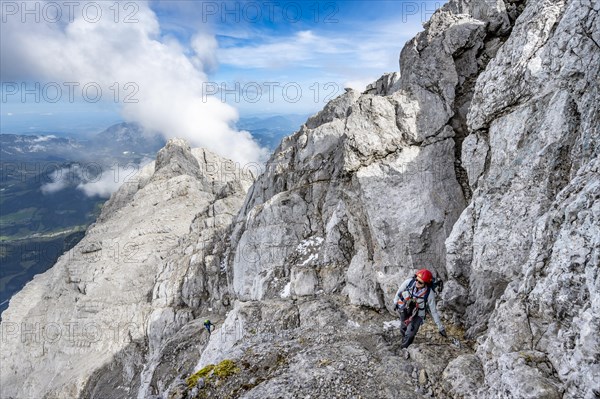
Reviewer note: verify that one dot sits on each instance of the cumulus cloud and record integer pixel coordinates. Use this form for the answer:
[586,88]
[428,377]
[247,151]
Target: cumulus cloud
[111,178]
[102,186]
[159,86]
[41,139]
[57,182]
[205,47]
[93,179]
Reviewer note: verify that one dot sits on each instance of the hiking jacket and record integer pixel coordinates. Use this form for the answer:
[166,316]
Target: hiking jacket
[419,296]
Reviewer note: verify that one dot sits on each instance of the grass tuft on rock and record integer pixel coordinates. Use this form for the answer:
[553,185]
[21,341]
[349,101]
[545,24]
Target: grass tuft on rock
[225,369]
[192,380]
[220,371]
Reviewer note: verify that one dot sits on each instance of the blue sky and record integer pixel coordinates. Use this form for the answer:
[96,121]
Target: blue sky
[322,46]
[271,57]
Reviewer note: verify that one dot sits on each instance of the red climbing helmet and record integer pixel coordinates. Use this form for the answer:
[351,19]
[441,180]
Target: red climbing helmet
[425,276]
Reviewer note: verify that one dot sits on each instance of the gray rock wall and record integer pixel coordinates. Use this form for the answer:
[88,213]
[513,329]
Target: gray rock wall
[368,190]
[526,250]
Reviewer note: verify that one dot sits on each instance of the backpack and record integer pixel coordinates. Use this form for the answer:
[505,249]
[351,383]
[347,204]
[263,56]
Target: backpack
[437,285]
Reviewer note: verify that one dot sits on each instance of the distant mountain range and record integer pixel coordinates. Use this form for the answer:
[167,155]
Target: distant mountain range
[128,138]
[14,147]
[52,188]
[121,139]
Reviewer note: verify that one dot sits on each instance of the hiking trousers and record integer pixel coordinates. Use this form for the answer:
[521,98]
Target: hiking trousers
[409,332]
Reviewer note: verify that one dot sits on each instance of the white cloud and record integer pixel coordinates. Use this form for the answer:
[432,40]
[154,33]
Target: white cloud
[205,48]
[58,182]
[372,47]
[41,139]
[110,179]
[94,180]
[279,52]
[169,84]
[103,186]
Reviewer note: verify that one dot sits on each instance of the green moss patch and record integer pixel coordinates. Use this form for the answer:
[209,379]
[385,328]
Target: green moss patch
[211,372]
[192,380]
[225,369]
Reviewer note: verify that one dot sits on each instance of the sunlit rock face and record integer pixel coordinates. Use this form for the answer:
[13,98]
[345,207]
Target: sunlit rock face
[526,250]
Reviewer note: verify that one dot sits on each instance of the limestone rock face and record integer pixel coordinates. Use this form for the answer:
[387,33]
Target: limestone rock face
[526,250]
[363,194]
[116,293]
[385,85]
[352,202]
[367,190]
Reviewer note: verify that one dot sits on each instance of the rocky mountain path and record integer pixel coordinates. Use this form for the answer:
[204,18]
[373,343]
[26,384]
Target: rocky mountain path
[351,352]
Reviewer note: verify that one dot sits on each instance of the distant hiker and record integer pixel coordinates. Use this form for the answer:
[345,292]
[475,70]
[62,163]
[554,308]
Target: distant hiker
[208,325]
[415,297]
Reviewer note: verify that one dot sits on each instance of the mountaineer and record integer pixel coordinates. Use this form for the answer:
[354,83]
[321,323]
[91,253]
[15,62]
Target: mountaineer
[415,297]
[208,324]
